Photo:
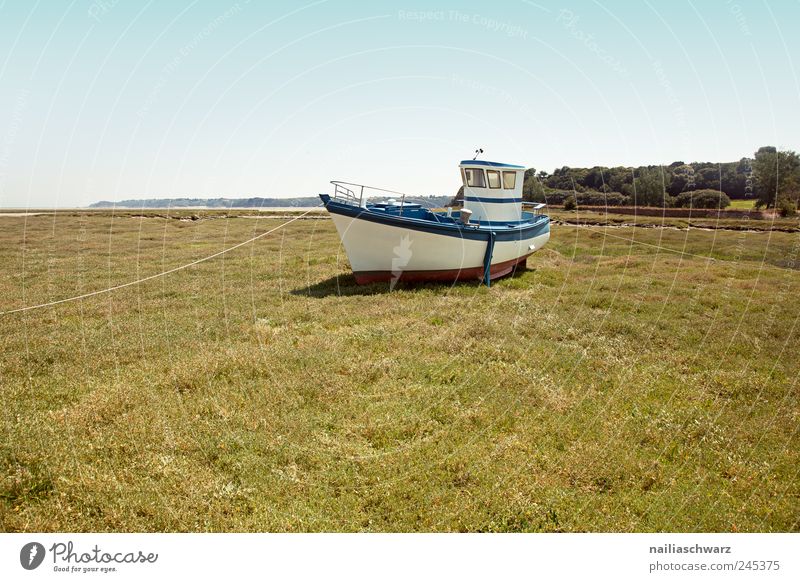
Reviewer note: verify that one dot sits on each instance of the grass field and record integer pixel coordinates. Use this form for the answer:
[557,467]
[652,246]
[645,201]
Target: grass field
[608,217]
[632,379]
[743,204]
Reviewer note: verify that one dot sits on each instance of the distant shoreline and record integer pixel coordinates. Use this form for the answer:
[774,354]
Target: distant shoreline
[34,211]
[254,203]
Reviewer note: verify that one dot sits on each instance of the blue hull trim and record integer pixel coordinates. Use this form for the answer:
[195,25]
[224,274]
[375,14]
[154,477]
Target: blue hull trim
[503,234]
[504,223]
[487,259]
[493,200]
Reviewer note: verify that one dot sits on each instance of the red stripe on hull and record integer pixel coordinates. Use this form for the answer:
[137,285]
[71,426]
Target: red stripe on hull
[442,275]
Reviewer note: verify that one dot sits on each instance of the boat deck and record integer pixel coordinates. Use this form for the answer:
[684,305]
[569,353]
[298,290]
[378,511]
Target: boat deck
[417,212]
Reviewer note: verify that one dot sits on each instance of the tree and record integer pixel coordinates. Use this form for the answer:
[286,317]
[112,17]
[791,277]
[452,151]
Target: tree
[649,190]
[595,178]
[732,182]
[777,176]
[681,179]
[567,178]
[532,187]
[618,178]
[707,178]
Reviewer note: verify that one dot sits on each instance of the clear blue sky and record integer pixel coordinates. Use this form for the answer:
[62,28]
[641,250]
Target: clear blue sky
[115,99]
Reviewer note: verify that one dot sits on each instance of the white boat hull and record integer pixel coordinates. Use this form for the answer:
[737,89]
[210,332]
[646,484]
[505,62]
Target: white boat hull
[387,252]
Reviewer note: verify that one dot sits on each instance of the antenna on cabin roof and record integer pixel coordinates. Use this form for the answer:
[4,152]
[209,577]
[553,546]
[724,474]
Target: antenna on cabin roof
[478,152]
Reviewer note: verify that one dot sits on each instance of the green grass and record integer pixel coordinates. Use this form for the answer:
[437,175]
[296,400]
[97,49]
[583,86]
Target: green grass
[743,204]
[609,218]
[632,379]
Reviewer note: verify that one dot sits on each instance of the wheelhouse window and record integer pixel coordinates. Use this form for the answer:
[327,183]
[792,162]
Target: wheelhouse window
[494,178]
[509,180]
[475,178]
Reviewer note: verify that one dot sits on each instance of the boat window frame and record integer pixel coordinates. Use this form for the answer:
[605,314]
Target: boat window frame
[511,173]
[499,179]
[483,176]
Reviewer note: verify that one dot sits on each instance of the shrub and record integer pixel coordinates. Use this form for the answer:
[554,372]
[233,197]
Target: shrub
[702,199]
[590,198]
[786,207]
[569,203]
[602,199]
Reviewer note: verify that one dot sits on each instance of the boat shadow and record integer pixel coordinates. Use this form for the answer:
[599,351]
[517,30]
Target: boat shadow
[345,285]
[340,285]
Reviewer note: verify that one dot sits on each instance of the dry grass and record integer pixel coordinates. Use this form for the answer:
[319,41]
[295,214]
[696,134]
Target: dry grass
[607,217]
[614,386]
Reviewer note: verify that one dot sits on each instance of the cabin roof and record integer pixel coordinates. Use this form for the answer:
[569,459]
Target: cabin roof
[491,164]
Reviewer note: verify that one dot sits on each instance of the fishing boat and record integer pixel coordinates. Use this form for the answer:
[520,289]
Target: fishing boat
[395,240]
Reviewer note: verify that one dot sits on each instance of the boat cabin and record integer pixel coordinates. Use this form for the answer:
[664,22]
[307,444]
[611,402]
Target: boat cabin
[492,191]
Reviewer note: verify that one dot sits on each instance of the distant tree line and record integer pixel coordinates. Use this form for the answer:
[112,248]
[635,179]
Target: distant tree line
[303,202]
[771,178]
[209,202]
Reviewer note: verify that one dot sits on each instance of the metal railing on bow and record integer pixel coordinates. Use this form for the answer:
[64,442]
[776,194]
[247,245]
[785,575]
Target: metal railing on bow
[357,194]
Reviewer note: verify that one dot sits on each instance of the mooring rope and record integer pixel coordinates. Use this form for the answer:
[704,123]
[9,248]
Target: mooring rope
[157,275]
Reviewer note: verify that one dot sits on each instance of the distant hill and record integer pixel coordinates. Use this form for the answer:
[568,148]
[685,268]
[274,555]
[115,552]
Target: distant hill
[304,202]
[210,202]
